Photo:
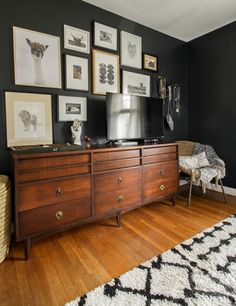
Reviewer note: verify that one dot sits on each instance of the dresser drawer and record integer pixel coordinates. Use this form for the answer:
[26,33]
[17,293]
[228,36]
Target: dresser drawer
[161,170]
[159,188]
[117,164]
[52,218]
[51,173]
[45,193]
[54,161]
[115,155]
[115,180]
[120,198]
[159,150]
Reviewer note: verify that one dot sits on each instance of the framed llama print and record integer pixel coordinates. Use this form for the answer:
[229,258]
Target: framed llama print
[28,119]
[131,50]
[106,73]
[37,59]
[136,84]
[76,73]
[105,36]
[76,39]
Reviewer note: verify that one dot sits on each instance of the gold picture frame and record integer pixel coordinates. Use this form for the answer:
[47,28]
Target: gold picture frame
[28,119]
[150,62]
[106,73]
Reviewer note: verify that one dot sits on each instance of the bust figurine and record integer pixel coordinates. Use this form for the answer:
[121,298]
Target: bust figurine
[76,130]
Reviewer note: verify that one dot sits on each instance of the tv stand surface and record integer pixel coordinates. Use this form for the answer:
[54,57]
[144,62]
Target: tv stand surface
[55,191]
[125,143]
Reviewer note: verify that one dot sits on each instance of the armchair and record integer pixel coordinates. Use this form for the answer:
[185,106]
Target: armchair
[199,163]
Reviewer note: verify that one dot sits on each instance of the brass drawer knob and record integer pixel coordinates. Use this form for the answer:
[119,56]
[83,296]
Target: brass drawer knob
[119,180]
[58,192]
[162,187]
[120,199]
[162,172]
[59,215]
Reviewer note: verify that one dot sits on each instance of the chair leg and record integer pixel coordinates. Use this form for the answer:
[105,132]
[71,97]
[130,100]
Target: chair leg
[223,191]
[190,192]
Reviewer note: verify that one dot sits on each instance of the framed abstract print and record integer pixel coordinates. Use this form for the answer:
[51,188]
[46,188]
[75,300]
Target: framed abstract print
[106,73]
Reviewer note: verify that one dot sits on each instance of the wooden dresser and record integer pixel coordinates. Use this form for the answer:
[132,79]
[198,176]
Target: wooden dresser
[64,188]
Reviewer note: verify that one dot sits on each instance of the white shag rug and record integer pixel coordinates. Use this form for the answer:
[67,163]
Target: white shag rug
[200,271]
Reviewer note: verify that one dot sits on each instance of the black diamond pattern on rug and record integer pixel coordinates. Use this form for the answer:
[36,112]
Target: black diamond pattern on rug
[200,271]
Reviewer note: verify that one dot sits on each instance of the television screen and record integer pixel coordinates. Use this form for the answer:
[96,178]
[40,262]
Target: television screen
[133,117]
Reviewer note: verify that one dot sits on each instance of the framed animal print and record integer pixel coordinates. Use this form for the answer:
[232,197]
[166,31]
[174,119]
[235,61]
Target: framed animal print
[37,58]
[136,84]
[76,73]
[106,73]
[76,39]
[71,108]
[131,50]
[105,36]
[28,119]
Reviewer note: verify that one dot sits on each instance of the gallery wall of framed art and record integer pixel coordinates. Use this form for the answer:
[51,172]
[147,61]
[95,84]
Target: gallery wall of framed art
[68,29]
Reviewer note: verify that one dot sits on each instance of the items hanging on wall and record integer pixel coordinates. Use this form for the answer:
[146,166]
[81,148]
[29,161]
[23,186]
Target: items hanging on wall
[162,88]
[169,118]
[176,98]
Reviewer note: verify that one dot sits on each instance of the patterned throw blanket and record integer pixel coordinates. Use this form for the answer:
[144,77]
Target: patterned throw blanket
[215,168]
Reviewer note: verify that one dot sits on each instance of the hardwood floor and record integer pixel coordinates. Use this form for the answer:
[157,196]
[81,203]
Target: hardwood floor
[74,262]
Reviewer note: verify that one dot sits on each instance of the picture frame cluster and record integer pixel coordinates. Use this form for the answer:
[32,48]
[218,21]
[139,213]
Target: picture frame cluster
[37,63]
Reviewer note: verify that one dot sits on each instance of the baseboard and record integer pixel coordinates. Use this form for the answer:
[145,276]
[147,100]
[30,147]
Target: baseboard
[212,193]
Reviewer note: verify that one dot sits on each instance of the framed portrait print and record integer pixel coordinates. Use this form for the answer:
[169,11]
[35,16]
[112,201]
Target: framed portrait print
[71,108]
[37,58]
[106,73]
[28,119]
[76,73]
[150,62]
[76,39]
[131,50]
[105,36]
[136,84]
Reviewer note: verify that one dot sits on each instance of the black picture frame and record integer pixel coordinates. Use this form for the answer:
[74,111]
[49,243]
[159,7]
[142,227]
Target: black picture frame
[104,45]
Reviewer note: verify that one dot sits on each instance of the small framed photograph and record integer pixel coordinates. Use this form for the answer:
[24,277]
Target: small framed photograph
[131,50]
[71,108]
[104,36]
[28,119]
[76,73]
[37,58]
[76,39]
[136,84]
[150,62]
[106,73]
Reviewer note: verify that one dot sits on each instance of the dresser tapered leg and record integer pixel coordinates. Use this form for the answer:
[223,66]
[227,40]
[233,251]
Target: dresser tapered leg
[27,248]
[173,200]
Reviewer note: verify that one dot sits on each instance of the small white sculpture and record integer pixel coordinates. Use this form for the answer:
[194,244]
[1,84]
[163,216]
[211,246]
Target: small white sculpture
[76,130]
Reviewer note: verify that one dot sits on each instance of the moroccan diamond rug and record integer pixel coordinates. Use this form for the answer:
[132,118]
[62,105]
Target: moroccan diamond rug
[199,271]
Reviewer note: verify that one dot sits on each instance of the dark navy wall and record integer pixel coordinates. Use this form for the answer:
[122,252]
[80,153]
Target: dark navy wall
[49,17]
[212,94]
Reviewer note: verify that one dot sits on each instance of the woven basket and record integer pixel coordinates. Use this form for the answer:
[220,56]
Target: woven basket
[5,216]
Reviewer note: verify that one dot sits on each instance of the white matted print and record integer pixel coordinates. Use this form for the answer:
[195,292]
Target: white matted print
[105,36]
[37,58]
[76,39]
[76,73]
[28,118]
[106,73]
[136,84]
[131,50]
[71,108]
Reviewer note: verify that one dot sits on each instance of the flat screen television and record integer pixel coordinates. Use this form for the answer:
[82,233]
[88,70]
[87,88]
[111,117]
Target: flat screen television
[133,117]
